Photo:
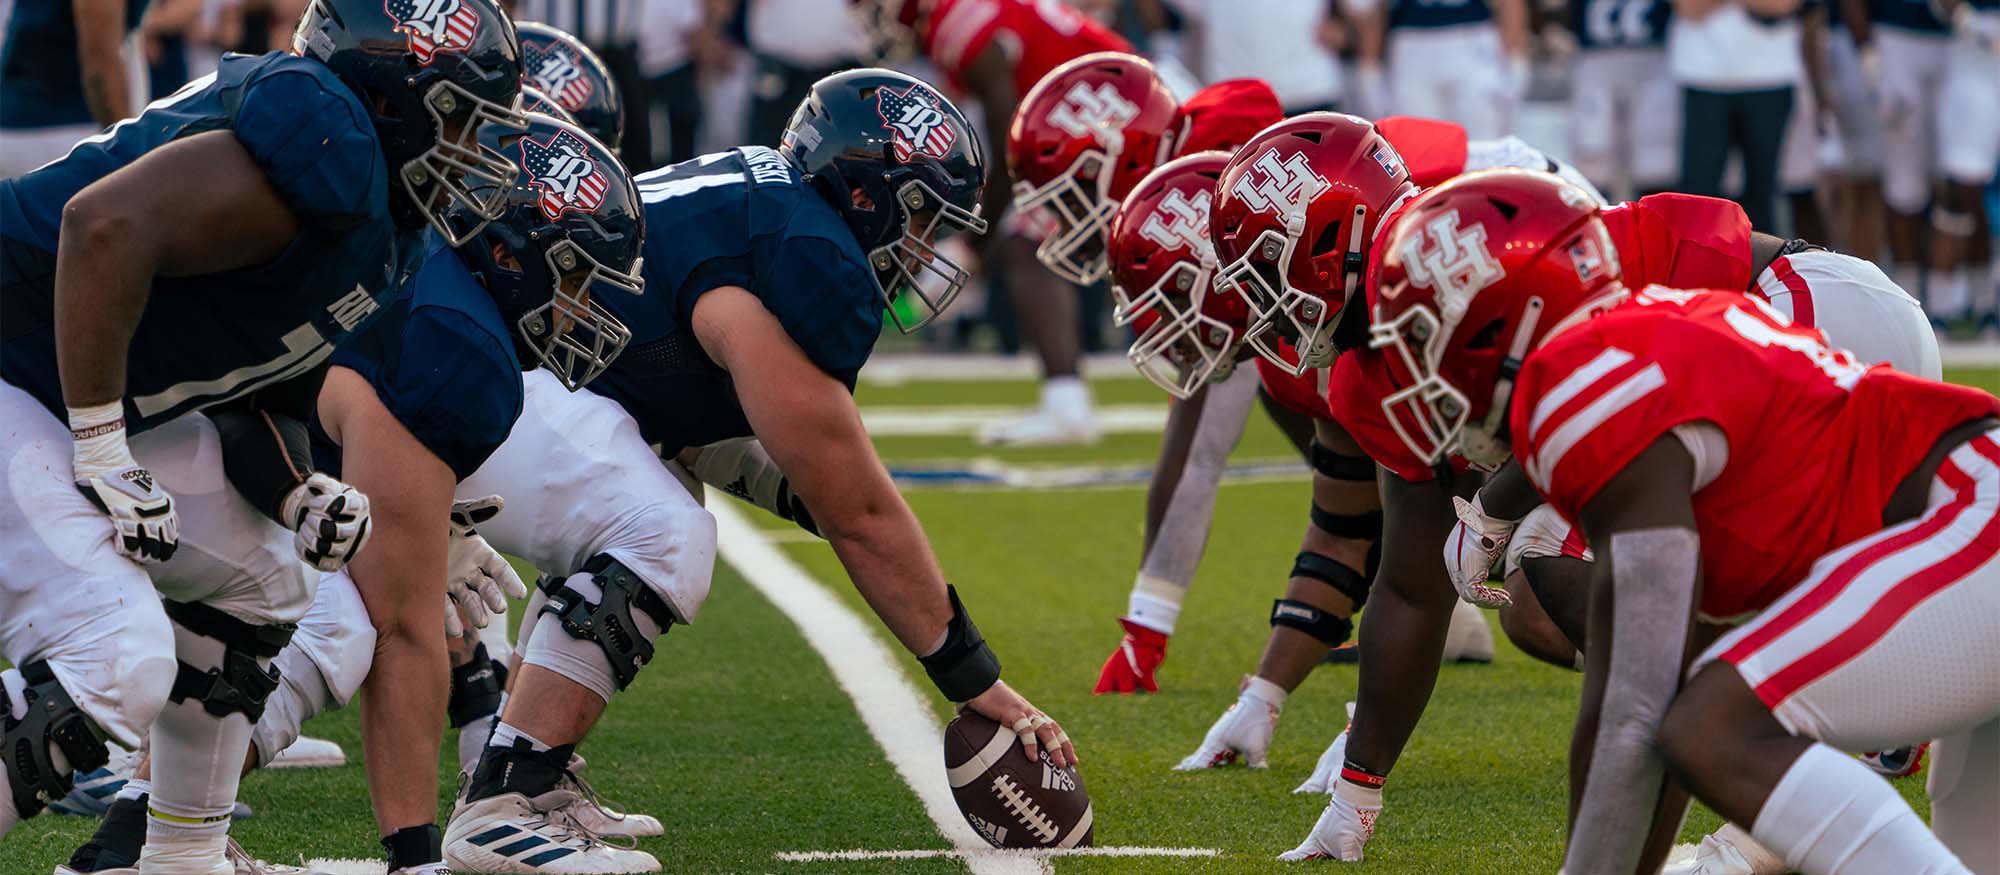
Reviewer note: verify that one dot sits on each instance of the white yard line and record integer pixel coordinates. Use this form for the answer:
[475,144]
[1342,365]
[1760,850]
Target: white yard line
[935,420]
[895,712]
[856,856]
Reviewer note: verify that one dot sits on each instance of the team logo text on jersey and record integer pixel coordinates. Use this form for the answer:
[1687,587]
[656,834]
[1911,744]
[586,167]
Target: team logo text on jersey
[557,72]
[434,26]
[1093,111]
[1456,268]
[1180,222]
[562,168]
[918,125]
[1274,185]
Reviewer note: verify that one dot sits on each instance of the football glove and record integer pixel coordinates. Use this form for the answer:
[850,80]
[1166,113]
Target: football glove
[478,579]
[1130,668]
[331,519]
[1244,731]
[1343,828]
[144,526]
[1475,544]
[1327,770]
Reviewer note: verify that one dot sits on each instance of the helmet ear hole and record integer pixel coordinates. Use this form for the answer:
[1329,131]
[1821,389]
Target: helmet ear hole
[1488,337]
[1328,241]
[1507,210]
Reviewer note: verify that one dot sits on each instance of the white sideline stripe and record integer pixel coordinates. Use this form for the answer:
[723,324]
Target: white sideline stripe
[861,856]
[896,714]
[932,420]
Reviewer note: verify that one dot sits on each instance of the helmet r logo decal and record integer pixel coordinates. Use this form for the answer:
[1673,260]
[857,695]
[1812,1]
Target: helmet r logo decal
[557,72]
[1179,223]
[1093,111]
[434,26]
[1286,185]
[918,125]
[562,168]
[1456,268]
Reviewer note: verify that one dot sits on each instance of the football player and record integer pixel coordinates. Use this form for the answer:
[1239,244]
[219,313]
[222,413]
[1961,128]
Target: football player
[565,70]
[1727,466]
[996,51]
[1486,40]
[413,402]
[1624,104]
[222,241]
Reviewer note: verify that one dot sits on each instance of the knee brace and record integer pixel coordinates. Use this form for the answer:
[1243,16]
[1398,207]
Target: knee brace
[1345,580]
[1350,469]
[608,622]
[1329,629]
[1353,469]
[475,688]
[51,718]
[240,684]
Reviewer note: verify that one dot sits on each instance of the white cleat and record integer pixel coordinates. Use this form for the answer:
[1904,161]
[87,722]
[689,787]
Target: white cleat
[1327,771]
[1729,851]
[248,865]
[1470,639]
[1242,732]
[506,835]
[1341,833]
[576,799]
[309,753]
[1042,428]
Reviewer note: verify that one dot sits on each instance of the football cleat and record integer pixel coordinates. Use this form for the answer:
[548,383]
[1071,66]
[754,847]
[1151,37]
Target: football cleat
[249,865]
[1469,639]
[1901,762]
[1130,668]
[309,753]
[1341,833]
[91,794]
[506,835]
[1327,770]
[576,799]
[1728,851]
[1042,428]
[1244,731]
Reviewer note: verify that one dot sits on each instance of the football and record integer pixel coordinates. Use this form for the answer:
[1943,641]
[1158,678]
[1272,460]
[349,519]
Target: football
[1009,800]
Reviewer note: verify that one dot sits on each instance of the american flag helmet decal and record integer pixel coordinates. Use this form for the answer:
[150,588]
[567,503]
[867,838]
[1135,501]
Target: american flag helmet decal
[566,174]
[916,120]
[434,26]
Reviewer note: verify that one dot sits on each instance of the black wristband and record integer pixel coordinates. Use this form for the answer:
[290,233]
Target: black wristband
[964,667]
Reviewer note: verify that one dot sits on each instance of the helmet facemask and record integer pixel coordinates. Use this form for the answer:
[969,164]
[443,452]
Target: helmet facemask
[910,270]
[1431,415]
[1281,312]
[1183,349]
[456,170]
[571,335]
[1079,199]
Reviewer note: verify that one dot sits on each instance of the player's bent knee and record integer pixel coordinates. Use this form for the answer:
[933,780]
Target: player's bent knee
[50,722]
[599,626]
[235,678]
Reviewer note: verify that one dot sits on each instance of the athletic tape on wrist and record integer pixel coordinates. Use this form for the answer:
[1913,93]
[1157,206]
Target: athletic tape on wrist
[963,666]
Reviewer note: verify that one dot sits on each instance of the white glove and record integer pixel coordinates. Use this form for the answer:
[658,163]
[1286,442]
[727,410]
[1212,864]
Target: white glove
[1327,771]
[1476,542]
[1244,730]
[145,527]
[1343,828]
[331,518]
[478,579]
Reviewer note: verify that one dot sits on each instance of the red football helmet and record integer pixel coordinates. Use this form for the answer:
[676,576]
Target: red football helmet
[1084,135]
[1474,275]
[1161,269]
[1294,216]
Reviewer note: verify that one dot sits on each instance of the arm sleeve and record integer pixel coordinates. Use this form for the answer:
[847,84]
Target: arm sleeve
[264,455]
[315,143]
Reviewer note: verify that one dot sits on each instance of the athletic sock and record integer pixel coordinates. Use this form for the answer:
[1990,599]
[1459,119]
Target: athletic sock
[1155,603]
[137,788]
[505,734]
[118,840]
[1830,814]
[1067,397]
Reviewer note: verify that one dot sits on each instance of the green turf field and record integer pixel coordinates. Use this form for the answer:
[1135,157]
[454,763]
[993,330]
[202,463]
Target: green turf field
[739,739]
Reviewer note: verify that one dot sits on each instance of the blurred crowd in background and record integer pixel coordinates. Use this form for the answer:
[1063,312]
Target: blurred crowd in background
[1837,124]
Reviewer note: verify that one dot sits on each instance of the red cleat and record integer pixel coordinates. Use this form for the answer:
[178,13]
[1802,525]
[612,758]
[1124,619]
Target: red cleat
[1130,668]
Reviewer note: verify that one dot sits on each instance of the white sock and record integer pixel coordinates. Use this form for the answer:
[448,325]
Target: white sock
[134,789]
[1831,815]
[1066,396]
[504,735]
[1155,604]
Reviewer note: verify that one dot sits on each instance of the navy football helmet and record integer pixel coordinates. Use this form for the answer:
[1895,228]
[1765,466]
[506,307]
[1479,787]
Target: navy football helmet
[433,74]
[904,170]
[575,78]
[533,100]
[569,232]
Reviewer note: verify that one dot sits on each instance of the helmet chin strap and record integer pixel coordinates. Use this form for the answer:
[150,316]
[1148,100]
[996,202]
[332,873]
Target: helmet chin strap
[1483,441]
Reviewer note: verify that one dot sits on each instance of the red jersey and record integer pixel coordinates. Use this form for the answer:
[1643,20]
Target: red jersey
[1037,36]
[1349,394]
[1433,151]
[1304,394]
[1816,441]
[1681,241]
[1225,115]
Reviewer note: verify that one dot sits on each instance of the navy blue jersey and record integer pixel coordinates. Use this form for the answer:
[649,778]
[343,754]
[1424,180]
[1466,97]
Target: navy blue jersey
[737,218]
[1620,24]
[442,362]
[41,75]
[1917,15]
[1437,13]
[206,339]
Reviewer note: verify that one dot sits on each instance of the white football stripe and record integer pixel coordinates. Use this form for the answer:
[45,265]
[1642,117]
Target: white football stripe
[995,748]
[1580,379]
[1643,382]
[1081,829]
